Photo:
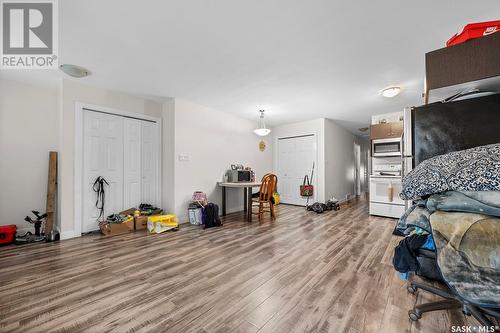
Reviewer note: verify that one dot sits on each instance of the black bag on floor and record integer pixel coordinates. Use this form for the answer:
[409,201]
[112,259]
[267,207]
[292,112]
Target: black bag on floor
[210,216]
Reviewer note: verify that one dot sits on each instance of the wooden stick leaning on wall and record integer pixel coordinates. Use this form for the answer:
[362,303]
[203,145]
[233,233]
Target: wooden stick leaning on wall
[51,193]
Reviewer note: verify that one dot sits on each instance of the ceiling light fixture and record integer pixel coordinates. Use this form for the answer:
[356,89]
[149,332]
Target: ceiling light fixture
[262,130]
[74,70]
[391,91]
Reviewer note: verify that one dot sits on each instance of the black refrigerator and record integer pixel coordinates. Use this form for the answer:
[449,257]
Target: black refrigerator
[441,127]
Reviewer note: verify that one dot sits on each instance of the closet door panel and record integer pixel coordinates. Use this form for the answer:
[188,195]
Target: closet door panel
[295,158]
[102,156]
[149,152]
[113,170]
[132,163]
[92,166]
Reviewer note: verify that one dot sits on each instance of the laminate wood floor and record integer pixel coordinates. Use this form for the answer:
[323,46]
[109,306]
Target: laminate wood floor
[301,273]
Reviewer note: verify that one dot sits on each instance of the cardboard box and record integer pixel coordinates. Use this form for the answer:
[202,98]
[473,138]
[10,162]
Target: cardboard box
[111,229]
[141,222]
[129,211]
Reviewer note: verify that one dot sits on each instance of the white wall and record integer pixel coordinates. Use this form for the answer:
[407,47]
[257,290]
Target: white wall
[28,131]
[73,92]
[168,158]
[340,163]
[213,140]
[339,158]
[316,127]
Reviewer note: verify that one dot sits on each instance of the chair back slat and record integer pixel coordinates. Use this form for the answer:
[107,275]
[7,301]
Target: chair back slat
[269,182]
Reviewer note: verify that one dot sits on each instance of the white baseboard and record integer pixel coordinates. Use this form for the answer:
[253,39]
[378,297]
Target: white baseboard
[182,219]
[68,234]
[341,201]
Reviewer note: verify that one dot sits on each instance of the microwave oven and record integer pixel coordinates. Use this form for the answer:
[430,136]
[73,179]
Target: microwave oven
[235,176]
[386,147]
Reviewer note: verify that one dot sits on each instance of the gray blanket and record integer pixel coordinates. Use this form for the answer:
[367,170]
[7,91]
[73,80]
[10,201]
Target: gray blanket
[468,254]
[487,203]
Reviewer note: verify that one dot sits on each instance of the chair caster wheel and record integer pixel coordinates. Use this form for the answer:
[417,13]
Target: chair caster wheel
[413,315]
[411,289]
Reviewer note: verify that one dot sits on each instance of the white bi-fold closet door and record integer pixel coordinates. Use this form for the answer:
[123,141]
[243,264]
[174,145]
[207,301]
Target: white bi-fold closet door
[295,160]
[125,152]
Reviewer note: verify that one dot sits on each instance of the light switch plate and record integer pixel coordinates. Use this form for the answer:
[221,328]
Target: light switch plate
[183,158]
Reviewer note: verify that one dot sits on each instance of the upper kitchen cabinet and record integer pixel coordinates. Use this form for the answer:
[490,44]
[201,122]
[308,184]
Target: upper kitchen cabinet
[386,131]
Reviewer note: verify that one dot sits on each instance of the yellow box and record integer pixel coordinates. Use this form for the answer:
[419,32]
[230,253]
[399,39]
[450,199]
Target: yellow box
[161,223]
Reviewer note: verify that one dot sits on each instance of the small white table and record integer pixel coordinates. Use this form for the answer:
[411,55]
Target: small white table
[247,190]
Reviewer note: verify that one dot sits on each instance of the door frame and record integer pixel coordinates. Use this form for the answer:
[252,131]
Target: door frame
[357,169]
[80,107]
[316,165]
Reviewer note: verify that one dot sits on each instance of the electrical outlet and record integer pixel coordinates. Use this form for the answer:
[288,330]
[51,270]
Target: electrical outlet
[183,158]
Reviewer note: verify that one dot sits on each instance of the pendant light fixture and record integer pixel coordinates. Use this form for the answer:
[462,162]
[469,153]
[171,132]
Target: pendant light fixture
[262,130]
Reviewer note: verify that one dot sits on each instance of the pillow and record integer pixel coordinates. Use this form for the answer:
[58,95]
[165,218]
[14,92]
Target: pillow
[475,169]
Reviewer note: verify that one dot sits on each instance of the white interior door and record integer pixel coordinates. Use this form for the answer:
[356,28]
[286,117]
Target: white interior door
[132,163]
[149,149]
[102,156]
[295,159]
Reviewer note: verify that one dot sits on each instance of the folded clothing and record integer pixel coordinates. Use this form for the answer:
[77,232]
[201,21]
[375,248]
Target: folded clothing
[484,202]
[418,215]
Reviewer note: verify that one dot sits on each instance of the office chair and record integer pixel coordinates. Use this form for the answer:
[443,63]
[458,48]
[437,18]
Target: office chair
[451,301]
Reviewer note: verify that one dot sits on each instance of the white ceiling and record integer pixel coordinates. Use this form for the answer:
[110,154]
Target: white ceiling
[297,59]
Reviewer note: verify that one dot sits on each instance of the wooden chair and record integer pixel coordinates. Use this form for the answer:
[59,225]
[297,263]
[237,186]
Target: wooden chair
[267,188]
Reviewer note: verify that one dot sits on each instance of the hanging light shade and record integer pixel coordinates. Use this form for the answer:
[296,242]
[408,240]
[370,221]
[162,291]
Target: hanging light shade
[261,130]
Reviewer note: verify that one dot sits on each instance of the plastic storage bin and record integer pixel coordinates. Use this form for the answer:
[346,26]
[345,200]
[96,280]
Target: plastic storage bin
[195,214]
[7,234]
[161,223]
[474,30]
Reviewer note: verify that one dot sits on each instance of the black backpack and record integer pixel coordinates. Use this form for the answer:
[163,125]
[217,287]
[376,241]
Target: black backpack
[210,216]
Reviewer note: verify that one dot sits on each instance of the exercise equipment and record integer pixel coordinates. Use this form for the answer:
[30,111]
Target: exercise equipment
[28,237]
